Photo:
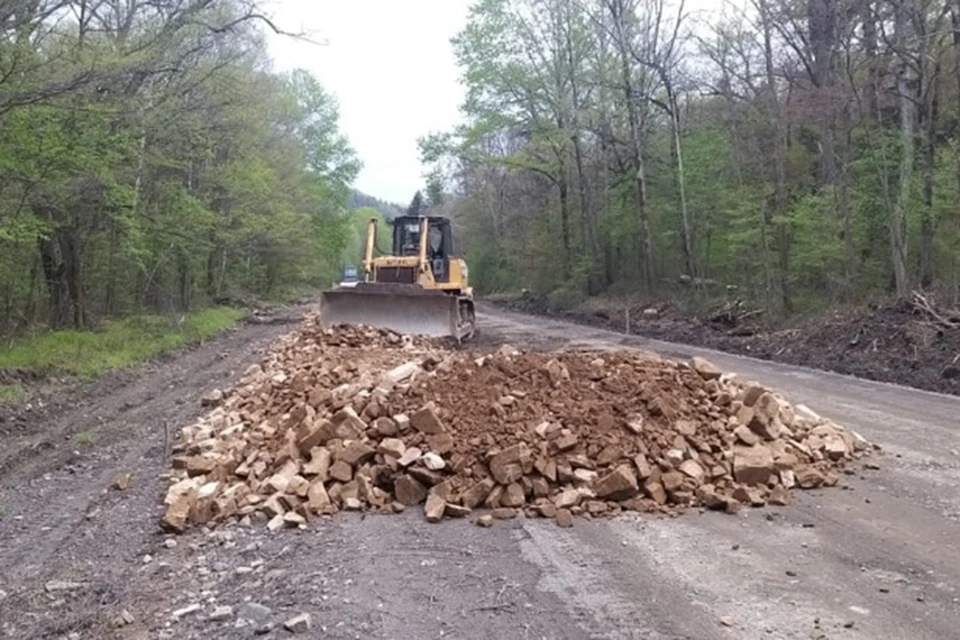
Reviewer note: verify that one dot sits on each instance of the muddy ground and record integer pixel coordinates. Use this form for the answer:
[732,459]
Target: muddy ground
[79,559]
[889,343]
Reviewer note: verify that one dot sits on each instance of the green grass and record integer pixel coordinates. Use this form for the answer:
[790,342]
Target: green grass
[121,343]
[85,438]
[11,393]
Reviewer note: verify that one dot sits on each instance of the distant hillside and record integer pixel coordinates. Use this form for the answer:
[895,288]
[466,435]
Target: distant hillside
[388,210]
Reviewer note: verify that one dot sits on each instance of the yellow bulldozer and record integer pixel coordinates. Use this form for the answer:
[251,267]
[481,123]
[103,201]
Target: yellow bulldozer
[418,287]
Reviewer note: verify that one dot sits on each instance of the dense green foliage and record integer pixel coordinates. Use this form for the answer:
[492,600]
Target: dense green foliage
[87,353]
[802,151]
[151,161]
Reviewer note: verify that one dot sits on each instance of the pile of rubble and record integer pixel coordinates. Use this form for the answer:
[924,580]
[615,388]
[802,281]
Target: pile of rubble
[361,419]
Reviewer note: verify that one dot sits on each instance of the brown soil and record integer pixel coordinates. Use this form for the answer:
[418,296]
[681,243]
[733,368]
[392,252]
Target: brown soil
[888,343]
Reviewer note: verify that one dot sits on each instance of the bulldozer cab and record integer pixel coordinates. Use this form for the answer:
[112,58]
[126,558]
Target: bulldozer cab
[406,242]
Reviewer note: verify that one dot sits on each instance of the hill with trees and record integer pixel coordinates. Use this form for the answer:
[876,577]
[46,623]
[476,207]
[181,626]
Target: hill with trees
[151,160]
[803,151]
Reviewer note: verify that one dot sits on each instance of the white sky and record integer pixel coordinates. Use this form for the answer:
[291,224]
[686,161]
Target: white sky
[391,66]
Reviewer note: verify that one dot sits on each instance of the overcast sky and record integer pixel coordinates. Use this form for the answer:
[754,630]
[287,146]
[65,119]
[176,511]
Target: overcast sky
[390,64]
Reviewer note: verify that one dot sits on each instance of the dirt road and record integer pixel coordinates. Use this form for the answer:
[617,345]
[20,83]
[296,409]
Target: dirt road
[879,560]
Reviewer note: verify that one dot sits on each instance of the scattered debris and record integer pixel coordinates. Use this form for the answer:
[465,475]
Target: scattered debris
[63,585]
[223,612]
[187,610]
[298,624]
[122,481]
[321,426]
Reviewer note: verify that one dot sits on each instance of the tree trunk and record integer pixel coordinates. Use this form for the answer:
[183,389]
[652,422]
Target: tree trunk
[53,275]
[928,132]
[686,226]
[646,260]
[779,163]
[565,225]
[869,22]
[906,89]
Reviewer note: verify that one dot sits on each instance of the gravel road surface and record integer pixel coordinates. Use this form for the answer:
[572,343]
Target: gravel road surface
[880,559]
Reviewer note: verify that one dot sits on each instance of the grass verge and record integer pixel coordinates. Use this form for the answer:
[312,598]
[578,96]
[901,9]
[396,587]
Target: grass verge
[121,343]
[11,393]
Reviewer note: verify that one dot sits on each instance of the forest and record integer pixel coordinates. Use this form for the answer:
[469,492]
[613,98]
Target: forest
[801,153]
[152,161]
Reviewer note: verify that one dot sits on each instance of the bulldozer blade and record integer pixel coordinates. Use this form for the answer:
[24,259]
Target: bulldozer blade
[407,310]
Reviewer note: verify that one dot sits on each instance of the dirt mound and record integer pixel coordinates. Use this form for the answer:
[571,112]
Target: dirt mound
[364,419]
[899,342]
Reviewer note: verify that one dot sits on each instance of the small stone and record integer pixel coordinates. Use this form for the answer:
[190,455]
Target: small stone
[507,465]
[513,496]
[409,456]
[187,610]
[485,521]
[433,462]
[620,484]
[212,398]
[706,369]
[753,466]
[441,443]
[298,624]
[565,442]
[222,612]
[434,508]
[122,481]
[779,496]
[809,477]
[255,611]
[425,420]
[478,493]
[341,471]
[564,518]
[409,492]
[456,511]
[503,513]
[392,447]
[293,519]
[692,469]
[567,499]
[276,523]
[634,424]
[727,621]
[745,435]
